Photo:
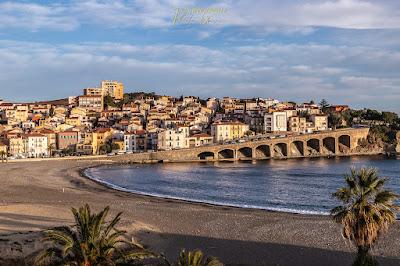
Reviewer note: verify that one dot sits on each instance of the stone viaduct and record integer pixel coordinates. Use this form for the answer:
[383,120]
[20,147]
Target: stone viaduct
[329,143]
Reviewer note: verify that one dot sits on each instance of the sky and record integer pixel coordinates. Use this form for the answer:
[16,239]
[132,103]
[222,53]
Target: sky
[346,51]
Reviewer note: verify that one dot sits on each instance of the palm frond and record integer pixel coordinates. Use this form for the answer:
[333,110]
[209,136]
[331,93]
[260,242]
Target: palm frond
[367,209]
[91,241]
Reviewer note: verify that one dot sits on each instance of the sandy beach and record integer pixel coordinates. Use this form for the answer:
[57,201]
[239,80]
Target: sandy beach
[38,195]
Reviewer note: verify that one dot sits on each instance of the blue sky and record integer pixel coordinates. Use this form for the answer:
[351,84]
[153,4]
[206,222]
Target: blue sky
[347,51]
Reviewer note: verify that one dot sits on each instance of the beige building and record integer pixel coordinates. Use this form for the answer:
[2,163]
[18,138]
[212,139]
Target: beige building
[99,138]
[16,146]
[93,91]
[222,131]
[91,102]
[73,121]
[320,122]
[201,139]
[17,115]
[297,124]
[21,113]
[300,124]
[114,89]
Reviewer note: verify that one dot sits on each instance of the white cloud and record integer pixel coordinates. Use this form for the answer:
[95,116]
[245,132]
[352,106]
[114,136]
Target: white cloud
[342,74]
[34,17]
[269,16]
[351,14]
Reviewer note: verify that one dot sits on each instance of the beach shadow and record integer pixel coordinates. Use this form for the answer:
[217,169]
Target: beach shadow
[236,252]
[26,221]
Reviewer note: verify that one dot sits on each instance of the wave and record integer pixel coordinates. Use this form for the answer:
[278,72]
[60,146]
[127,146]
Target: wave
[217,203]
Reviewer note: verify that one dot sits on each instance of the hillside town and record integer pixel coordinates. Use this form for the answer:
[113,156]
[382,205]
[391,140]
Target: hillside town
[105,120]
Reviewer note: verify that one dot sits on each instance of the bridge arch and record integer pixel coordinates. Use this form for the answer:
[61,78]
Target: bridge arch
[344,143]
[206,155]
[297,148]
[226,154]
[245,152]
[263,151]
[280,150]
[329,144]
[313,146]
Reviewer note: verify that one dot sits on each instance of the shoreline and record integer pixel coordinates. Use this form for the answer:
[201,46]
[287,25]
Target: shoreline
[205,203]
[32,199]
[187,201]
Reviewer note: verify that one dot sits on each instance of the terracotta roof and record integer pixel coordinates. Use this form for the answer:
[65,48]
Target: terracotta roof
[228,123]
[140,132]
[67,132]
[201,135]
[101,130]
[90,96]
[45,131]
[34,135]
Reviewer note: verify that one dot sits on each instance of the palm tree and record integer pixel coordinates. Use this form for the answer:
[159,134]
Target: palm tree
[367,210]
[51,148]
[91,241]
[196,258]
[3,156]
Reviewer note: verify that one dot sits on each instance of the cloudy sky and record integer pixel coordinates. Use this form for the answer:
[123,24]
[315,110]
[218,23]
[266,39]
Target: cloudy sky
[347,51]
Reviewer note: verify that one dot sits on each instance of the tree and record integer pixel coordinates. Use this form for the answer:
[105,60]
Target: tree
[366,212]
[196,258]
[91,241]
[248,133]
[304,114]
[114,147]
[105,148]
[389,117]
[334,120]
[324,105]
[3,156]
[51,148]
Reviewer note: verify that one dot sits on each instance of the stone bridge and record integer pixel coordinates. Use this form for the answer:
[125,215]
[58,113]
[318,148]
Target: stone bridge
[329,143]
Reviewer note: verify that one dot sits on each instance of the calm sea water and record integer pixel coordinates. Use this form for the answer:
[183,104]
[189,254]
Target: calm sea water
[296,185]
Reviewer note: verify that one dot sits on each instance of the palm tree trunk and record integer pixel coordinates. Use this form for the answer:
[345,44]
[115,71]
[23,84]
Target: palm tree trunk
[363,250]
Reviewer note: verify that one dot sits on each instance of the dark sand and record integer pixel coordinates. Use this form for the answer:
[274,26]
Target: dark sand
[38,195]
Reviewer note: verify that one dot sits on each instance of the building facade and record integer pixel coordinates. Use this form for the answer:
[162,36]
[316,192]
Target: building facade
[67,140]
[275,121]
[36,145]
[221,131]
[174,138]
[114,89]
[320,122]
[91,102]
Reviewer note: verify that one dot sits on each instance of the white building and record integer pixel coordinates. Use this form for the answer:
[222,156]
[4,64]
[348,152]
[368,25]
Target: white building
[275,121]
[176,138]
[129,142]
[137,141]
[36,145]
